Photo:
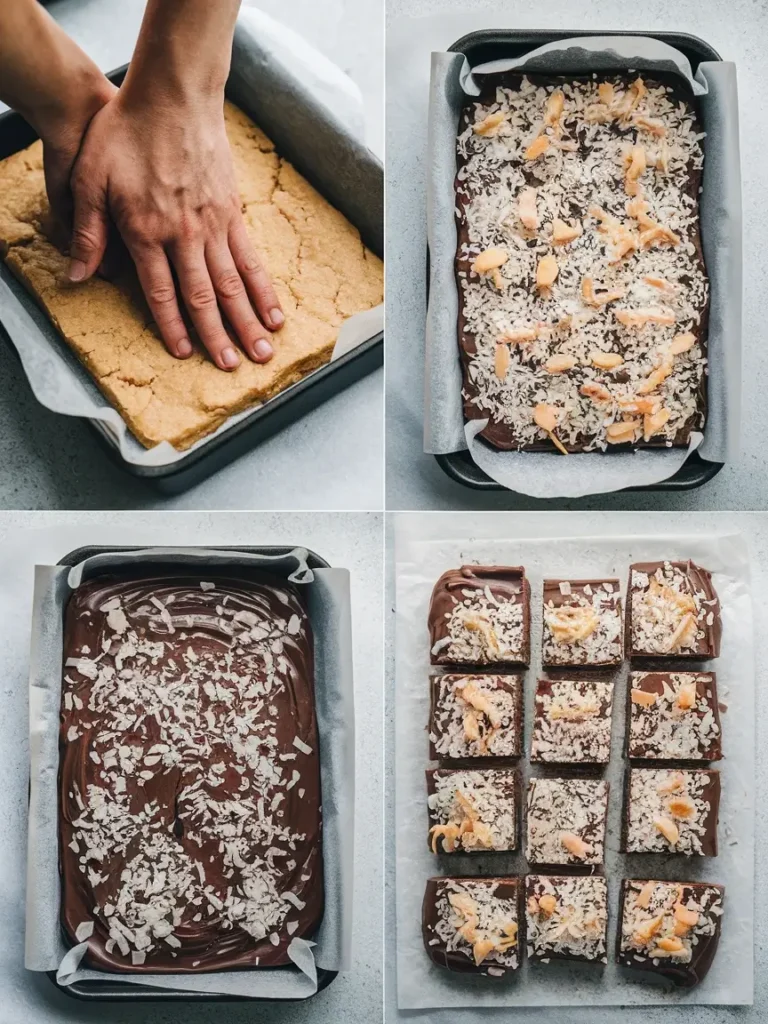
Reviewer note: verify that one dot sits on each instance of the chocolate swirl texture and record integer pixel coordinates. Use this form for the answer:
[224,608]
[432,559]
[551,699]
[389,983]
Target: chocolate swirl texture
[189,786]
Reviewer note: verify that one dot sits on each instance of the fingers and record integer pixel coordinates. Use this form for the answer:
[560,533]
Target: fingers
[160,292]
[89,233]
[202,305]
[255,277]
[234,300]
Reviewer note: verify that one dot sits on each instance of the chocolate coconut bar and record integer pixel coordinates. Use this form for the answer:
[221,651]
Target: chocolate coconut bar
[472,925]
[189,782]
[566,821]
[583,295]
[673,716]
[566,917]
[582,623]
[672,611]
[572,722]
[481,615]
[473,810]
[475,717]
[669,928]
[671,810]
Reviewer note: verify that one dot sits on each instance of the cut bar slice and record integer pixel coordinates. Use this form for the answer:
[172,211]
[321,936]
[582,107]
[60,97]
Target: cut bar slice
[582,623]
[473,811]
[671,810]
[669,928]
[672,611]
[475,717]
[481,615]
[566,821]
[472,925]
[673,716]
[572,722]
[566,917]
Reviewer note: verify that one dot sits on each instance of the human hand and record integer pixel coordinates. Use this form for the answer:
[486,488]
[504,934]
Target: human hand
[163,172]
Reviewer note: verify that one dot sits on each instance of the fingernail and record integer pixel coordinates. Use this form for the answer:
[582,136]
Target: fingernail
[276,318]
[263,349]
[76,270]
[184,348]
[230,358]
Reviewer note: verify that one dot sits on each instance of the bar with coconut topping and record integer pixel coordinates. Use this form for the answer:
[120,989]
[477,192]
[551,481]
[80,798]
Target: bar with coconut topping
[673,716]
[190,820]
[476,716]
[671,810]
[572,722]
[566,918]
[671,929]
[582,623]
[672,611]
[565,822]
[473,810]
[472,925]
[481,615]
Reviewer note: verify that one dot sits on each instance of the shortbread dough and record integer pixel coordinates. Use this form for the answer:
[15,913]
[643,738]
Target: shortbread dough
[322,273]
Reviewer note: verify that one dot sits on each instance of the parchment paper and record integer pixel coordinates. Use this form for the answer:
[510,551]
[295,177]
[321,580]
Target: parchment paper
[267,62]
[543,474]
[326,592]
[423,552]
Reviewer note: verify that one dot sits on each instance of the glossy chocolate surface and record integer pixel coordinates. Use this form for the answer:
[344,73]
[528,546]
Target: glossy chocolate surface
[190,820]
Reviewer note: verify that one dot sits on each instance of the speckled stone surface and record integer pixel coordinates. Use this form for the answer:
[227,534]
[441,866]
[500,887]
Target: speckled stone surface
[49,461]
[738,31]
[755,529]
[353,541]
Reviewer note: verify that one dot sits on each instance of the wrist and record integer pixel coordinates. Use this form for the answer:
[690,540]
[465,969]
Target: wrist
[61,118]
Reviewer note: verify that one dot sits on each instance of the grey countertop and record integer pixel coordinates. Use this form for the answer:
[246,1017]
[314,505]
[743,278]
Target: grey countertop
[755,529]
[331,458]
[737,30]
[349,540]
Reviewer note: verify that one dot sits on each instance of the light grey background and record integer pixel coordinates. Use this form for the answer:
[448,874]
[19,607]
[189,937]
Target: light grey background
[414,480]
[331,458]
[346,540]
[755,529]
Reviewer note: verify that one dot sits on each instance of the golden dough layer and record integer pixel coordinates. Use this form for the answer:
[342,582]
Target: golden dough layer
[320,269]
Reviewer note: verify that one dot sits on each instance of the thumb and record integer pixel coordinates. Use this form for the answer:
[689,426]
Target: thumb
[89,235]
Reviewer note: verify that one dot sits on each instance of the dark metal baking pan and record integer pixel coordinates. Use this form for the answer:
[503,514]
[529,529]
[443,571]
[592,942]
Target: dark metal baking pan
[100,991]
[495,44]
[352,158]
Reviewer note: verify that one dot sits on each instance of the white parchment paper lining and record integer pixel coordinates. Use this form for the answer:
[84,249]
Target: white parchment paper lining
[423,552]
[543,474]
[57,378]
[326,592]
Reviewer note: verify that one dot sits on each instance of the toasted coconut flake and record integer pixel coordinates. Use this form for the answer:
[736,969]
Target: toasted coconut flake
[654,423]
[537,148]
[491,124]
[682,343]
[635,168]
[546,272]
[526,209]
[643,698]
[563,233]
[575,845]
[622,432]
[668,829]
[559,364]
[643,899]
[605,360]
[640,317]
[502,360]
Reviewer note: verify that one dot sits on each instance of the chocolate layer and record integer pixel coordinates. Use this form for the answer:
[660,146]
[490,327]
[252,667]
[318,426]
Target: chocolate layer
[696,583]
[475,717]
[499,433]
[566,917]
[582,623]
[483,921]
[469,627]
[695,927]
[473,810]
[671,810]
[673,716]
[190,826]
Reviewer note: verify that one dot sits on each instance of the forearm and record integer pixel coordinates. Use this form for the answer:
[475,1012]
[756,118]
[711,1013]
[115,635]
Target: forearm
[43,73]
[183,52]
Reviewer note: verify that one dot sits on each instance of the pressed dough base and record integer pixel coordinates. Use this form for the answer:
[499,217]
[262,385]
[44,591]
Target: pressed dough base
[322,273]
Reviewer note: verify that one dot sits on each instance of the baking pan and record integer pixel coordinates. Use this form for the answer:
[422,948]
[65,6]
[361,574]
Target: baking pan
[356,188]
[494,44]
[99,991]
